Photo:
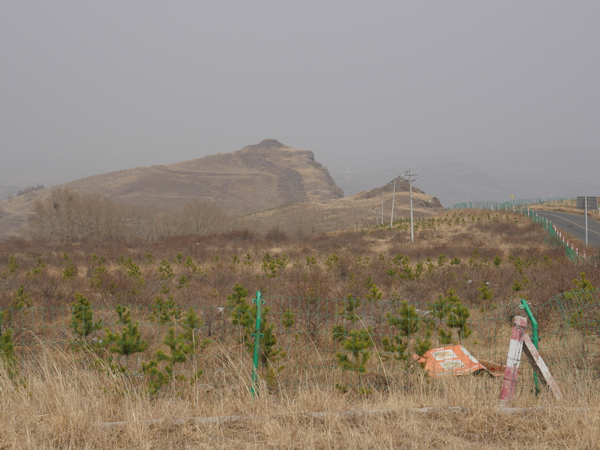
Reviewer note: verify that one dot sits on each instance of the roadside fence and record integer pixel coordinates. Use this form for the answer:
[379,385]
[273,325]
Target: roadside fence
[555,236]
[513,205]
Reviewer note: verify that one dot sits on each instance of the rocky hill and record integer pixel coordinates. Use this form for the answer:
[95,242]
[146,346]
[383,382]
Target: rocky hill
[255,178]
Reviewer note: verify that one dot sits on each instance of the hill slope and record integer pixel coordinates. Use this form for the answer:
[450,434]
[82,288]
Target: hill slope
[255,178]
[338,214]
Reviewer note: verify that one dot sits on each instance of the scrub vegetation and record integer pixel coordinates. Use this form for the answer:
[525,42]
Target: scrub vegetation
[461,262]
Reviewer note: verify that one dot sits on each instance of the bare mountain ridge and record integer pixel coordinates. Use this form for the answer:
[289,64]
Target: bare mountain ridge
[257,177]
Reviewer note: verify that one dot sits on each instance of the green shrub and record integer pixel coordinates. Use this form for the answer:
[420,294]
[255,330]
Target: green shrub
[272,265]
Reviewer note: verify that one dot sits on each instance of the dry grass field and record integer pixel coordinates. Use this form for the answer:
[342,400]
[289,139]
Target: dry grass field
[61,400]
[64,406]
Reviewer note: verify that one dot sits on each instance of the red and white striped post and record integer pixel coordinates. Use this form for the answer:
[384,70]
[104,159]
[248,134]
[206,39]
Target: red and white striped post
[515,349]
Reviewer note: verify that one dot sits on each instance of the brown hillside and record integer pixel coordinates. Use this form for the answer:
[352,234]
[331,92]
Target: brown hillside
[257,177]
[338,214]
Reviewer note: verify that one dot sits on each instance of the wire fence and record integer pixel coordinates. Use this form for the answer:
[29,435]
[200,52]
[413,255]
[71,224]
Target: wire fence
[556,237]
[512,205]
[346,344]
[569,336]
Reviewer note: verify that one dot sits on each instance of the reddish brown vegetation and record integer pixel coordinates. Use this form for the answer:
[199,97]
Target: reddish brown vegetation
[342,263]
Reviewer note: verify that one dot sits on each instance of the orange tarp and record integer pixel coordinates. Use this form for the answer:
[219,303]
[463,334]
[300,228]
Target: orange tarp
[450,360]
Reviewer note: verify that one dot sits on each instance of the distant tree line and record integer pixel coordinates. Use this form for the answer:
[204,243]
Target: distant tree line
[66,215]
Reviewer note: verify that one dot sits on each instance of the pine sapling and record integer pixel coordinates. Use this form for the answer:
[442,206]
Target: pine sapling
[179,348]
[288,320]
[374,293]
[7,352]
[70,270]
[165,270]
[133,271]
[162,311]
[486,292]
[458,318]
[13,265]
[82,318]
[126,343]
[583,284]
[39,267]
[355,343]
[21,299]
[454,312]
[273,265]
[408,324]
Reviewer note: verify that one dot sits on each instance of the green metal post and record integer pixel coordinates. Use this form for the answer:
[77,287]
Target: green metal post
[534,338]
[256,335]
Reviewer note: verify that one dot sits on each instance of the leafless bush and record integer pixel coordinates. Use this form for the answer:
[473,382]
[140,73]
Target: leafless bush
[68,216]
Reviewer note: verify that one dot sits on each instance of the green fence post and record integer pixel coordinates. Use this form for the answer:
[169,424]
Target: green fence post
[256,335]
[534,338]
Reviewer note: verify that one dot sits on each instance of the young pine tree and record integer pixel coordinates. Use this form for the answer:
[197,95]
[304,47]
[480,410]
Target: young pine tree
[456,315]
[179,348]
[356,343]
[126,343]
[82,317]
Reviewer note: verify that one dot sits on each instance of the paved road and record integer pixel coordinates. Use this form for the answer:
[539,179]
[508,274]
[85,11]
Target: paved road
[575,225]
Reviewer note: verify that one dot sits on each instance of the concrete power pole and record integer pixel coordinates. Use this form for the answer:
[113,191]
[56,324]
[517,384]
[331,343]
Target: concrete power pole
[381,206]
[411,177]
[393,198]
[586,223]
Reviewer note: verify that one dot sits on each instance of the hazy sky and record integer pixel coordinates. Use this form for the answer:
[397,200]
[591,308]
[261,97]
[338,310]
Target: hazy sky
[91,87]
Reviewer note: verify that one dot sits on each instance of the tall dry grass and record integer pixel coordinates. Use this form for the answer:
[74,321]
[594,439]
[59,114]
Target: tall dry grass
[64,405]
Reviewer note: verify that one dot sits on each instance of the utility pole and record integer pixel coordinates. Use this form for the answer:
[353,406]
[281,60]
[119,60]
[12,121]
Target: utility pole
[393,198]
[582,203]
[586,224]
[381,206]
[411,177]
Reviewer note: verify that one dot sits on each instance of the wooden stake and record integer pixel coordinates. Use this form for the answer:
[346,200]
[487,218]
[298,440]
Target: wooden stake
[533,353]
